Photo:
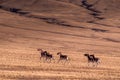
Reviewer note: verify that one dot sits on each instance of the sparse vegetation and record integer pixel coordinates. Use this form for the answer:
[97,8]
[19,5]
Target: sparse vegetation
[65,27]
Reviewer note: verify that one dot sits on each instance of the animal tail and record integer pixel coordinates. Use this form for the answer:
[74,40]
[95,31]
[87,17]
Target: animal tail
[68,59]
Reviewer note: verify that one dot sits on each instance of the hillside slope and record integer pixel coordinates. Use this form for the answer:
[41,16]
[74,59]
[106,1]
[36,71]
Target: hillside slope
[93,11]
[65,26]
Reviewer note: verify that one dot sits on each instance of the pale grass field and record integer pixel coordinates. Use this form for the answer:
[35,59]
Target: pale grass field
[24,64]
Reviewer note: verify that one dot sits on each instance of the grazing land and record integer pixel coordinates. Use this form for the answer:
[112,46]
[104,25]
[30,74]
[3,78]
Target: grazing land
[67,26]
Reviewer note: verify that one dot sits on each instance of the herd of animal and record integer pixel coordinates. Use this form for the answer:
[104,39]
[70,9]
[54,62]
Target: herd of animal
[48,57]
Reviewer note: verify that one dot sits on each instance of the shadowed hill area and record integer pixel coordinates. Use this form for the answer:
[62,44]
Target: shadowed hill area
[50,8]
[77,10]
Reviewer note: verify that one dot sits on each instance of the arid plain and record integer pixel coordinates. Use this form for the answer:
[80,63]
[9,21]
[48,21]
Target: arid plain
[68,26]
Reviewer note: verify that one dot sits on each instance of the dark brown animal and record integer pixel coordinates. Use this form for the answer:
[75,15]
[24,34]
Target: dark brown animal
[45,55]
[95,59]
[42,53]
[90,59]
[62,57]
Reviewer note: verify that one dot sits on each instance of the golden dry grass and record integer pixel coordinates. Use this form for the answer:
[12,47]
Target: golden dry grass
[20,37]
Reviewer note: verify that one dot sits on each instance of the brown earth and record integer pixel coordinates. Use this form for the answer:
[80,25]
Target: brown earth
[69,26]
